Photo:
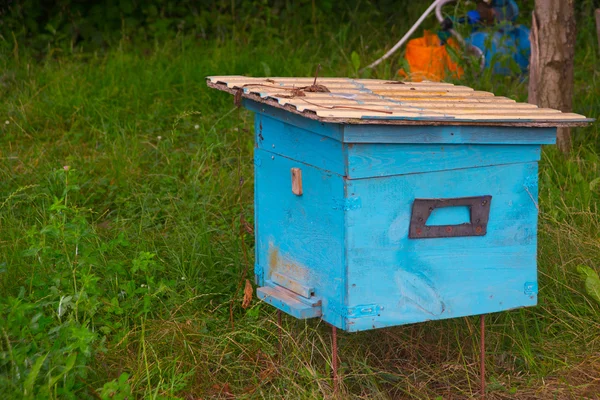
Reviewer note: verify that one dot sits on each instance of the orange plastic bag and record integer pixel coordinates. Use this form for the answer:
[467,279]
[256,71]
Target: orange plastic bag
[429,60]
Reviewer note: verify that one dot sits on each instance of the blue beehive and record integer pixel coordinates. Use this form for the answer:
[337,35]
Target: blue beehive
[381,204]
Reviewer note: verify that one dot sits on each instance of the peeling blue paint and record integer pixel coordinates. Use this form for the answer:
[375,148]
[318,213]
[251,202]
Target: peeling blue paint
[258,270]
[531,288]
[531,181]
[348,204]
[368,310]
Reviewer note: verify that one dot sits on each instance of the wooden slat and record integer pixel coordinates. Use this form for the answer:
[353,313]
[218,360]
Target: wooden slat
[378,102]
[300,102]
[408,96]
[369,97]
[454,99]
[369,100]
[432,93]
[341,113]
[308,81]
[330,80]
[453,112]
[449,100]
[428,104]
[338,83]
[350,86]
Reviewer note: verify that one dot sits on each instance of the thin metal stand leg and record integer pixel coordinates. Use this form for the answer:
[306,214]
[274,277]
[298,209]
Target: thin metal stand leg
[482,356]
[334,361]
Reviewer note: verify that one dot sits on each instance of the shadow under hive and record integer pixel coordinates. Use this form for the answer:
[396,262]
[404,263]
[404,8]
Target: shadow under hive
[384,203]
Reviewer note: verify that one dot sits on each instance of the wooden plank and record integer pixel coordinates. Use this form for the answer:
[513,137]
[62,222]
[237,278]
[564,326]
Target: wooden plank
[406,114]
[308,147]
[456,102]
[415,280]
[449,99]
[346,98]
[379,89]
[333,131]
[264,85]
[375,160]
[448,134]
[269,87]
[297,181]
[301,104]
[361,111]
[308,81]
[386,205]
[301,237]
[434,105]
[264,91]
[292,284]
[364,89]
[376,82]
[411,118]
[432,93]
[287,303]
[389,99]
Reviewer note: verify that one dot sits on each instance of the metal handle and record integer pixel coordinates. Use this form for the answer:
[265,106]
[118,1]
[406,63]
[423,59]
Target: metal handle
[422,208]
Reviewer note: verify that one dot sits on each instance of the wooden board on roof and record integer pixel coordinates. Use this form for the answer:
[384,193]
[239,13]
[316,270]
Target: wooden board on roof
[374,101]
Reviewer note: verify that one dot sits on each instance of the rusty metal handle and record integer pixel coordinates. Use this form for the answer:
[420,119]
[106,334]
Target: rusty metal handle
[479,207]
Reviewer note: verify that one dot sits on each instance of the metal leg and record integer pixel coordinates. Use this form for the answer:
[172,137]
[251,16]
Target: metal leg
[482,356]
[334,360]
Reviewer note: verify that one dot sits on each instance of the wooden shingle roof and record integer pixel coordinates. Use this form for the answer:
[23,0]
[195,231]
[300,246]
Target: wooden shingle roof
[373,101]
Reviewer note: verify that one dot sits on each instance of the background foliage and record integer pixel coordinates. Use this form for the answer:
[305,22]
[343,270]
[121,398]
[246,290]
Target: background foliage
[126,202]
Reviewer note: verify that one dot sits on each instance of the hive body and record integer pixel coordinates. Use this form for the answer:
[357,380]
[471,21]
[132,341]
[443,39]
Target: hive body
[341,249]
[382,203]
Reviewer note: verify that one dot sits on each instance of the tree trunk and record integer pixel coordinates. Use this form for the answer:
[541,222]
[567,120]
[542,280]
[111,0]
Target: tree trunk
[552,56]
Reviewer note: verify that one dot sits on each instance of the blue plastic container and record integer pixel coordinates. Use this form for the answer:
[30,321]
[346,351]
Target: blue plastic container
[502,47]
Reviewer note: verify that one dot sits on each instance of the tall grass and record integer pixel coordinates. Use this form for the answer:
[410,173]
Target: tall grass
[125,196]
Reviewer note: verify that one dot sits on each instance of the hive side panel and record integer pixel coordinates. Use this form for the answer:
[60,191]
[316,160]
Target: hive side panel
[279,137]
[369,160]
[299,238]
[333,131]
[413,280]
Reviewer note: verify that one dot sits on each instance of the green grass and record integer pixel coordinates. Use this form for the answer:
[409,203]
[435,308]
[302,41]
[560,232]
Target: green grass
[124,187]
